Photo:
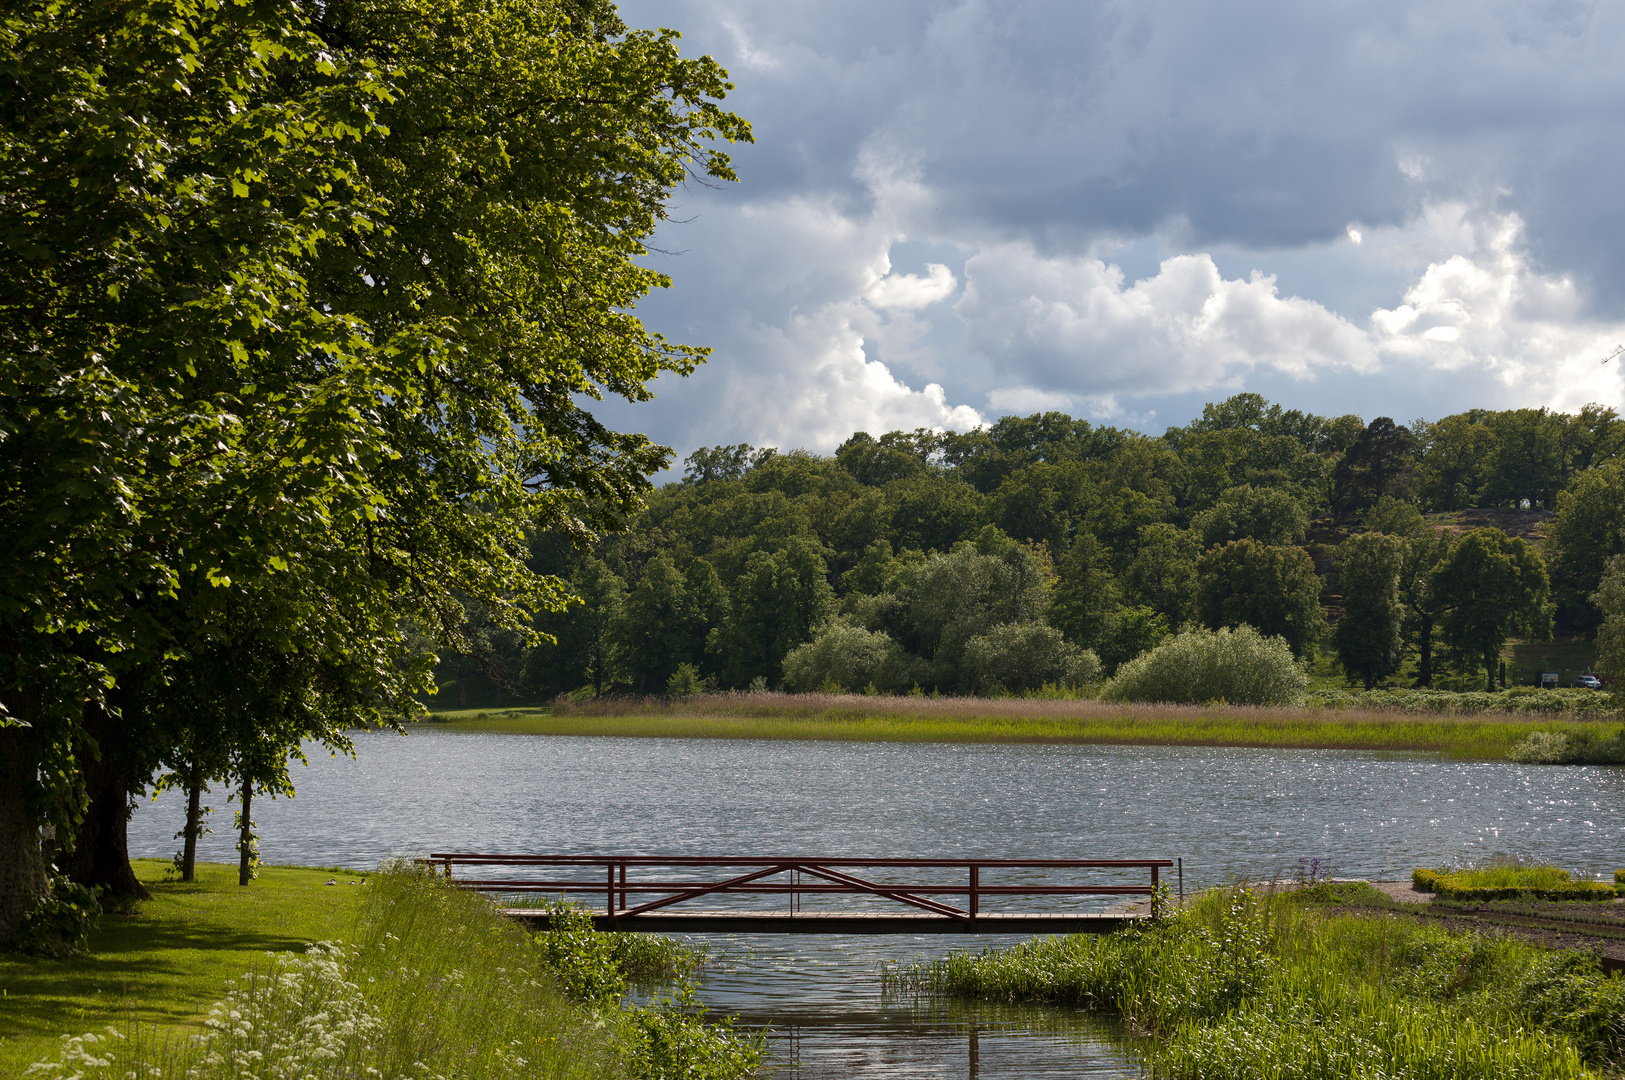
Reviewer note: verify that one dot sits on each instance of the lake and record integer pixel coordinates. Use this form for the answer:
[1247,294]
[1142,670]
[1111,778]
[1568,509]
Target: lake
[1228,812]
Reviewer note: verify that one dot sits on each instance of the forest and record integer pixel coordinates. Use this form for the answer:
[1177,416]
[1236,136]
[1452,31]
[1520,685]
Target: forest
[1045,550]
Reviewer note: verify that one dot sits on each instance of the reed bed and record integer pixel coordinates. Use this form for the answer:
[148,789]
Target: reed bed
[1242,984]
[865,718]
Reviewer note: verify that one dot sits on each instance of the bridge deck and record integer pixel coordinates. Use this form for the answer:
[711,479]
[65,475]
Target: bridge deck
[838,922]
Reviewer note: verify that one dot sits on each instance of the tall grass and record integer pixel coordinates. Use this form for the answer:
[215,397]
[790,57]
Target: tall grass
[434,985]
[1247,985]
[857,717]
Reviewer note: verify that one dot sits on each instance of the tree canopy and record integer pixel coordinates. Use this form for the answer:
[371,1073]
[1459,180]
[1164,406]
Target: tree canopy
[299,308]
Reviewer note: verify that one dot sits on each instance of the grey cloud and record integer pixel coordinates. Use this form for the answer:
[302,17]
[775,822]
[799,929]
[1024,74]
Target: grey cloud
[1255,131]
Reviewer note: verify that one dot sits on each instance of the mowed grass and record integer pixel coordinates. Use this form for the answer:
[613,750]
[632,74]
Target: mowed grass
[860,718]
[169,961]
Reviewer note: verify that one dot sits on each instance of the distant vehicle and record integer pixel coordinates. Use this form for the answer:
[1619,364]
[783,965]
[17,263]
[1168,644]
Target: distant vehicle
[1589,682]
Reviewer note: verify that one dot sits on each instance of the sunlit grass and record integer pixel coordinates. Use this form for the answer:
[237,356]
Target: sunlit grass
[425,981]
[860,718]
[170,959]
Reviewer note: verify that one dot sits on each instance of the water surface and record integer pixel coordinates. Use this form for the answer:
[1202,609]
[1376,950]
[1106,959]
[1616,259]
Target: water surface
[1228,812]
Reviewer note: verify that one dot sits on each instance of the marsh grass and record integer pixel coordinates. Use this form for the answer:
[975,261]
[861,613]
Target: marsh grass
[1244,984]
[864,718]
[1508,877]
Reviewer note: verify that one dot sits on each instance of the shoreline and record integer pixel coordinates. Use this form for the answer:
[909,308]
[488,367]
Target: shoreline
[853,718]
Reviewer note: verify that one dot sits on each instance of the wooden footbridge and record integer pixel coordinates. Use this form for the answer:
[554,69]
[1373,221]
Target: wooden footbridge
[786,895]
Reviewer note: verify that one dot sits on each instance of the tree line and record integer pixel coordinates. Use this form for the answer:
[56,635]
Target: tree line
[1007,557]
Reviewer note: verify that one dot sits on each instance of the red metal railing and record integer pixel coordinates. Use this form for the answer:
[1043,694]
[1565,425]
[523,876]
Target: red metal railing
[617,887]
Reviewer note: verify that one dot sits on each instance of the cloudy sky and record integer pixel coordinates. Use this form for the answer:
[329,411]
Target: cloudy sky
[961,209]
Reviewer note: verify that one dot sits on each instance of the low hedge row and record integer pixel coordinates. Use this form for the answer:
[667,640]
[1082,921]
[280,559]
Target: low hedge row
[1523,700]
[1459,887]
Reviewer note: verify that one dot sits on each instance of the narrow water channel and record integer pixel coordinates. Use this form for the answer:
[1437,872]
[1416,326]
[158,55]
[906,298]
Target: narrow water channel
[1230,813]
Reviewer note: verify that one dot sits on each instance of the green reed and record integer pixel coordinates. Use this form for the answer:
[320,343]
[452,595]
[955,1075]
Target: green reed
[1241,984]
[860,718]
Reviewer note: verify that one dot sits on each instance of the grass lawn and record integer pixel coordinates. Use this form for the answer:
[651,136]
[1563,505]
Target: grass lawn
[169,961]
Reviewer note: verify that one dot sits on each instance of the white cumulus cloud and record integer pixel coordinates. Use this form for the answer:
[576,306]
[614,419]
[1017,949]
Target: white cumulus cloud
[1491,317]
[909,292]
[1069,326]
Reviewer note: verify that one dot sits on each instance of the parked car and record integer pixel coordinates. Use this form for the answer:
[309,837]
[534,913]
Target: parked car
[1588,682]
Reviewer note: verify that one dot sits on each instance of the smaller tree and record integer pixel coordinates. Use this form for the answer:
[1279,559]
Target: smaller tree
[1086,592]
[1243,512]
[1381,462]
[1273,589]
[778,601]
[1610,600]
[1393,517]
[1492,585]
[1130,632]
[848,657]
[584,634]
[1422,604]
[1370,645]
[1017,657]
[1162,574]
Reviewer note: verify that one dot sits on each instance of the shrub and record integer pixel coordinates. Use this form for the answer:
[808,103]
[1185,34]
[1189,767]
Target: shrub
[1022,656]
[61,923]
[1586,747]
[1239,667]
[684,682]
[848,657]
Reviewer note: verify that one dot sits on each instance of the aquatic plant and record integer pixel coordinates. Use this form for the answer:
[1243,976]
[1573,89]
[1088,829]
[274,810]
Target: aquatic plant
[1247,984]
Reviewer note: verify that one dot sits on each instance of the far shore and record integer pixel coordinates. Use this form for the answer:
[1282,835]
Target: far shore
[865,718]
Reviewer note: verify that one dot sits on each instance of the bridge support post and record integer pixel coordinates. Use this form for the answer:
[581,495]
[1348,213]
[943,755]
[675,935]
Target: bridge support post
[975,887]
[1154,892]
[609,901]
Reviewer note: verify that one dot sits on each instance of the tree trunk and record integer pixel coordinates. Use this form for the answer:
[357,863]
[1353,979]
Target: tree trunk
[194,821]
[1424,644]
[22,863]
[245,837]
[101,846]
[1489,674]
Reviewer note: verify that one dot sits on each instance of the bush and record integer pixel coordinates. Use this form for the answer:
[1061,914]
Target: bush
[685,682]
[1022,656]
[60,925]
[1519,700]
[1586,747]
[846,657]
[1239,667]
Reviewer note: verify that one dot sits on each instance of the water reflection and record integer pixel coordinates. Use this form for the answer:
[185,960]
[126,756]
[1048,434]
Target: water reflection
[821,1002]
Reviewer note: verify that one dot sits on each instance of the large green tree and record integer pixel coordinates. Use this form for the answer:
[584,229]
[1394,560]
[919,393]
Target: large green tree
[1369,638]
[1382,461]
[1272,589]
[288,284]
[1423,604]
[1589,529]
[1493,585]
